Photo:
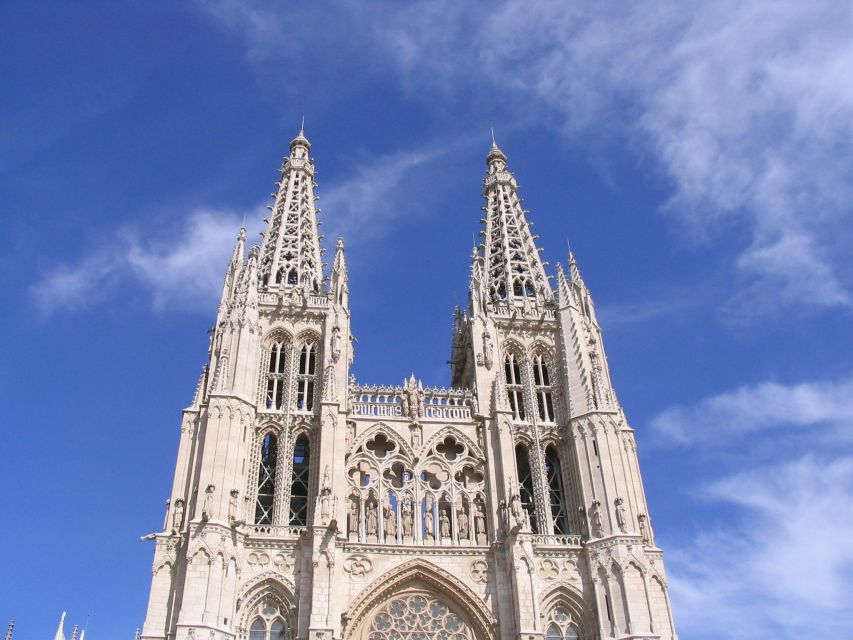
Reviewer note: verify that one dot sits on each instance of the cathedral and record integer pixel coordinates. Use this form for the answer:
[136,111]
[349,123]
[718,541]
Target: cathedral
[309,505]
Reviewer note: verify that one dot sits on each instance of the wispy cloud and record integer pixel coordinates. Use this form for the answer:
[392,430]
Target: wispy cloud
[183,270]
[724,420]
[783,564]
[746,108]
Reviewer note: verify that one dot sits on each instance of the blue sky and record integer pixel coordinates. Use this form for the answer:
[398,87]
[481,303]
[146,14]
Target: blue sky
[698,157]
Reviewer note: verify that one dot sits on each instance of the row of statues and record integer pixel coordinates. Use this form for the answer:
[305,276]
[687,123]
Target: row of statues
[407,517]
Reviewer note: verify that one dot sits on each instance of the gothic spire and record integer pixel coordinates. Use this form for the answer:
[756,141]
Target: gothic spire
[10,630]
[513,271]
[60,631]
[339,287]
[290,251]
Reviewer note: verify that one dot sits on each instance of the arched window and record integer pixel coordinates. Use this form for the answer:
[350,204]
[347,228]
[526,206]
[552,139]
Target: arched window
[268,625]
[562,627]
[417,617]
[266,480]
[556,495]
[299,482]
[542,389]
[292,277]
[305,377]
[276,374]
[525,484]
[514,390]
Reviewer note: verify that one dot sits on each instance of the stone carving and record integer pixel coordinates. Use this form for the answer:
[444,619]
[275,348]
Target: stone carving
[178,516]
[645,532]
[428,518]
[233,509]
[548,570]
[329,392]
[390,521]
[488,350]
[413,399]
[462,521]
[336,343]
[352,518]
[595,519]
[371,518]
[408,519]
[479,571]
[358,566]
[283,562]
[480,523]
[208,502]
[520,517]
[350,434]
[621,521]
[444,523]
[415,432]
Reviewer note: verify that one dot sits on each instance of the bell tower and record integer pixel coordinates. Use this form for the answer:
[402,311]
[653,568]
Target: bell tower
[307,505]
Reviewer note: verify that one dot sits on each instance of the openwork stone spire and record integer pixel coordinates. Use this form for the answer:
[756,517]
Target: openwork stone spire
[290,252]
[513,271]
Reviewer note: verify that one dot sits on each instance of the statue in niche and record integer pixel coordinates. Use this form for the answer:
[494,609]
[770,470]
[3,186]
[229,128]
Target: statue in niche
[372,522]
[503,511]
[488,349]
[462,521]
[518,512]
[178,517]
[352,517]
[390,522]
[350,434]
[480,520]
[642,519]
[583,520]
[595,519]
[208,502]
[430,532]
[336,343]
[444,523]
[416,436]
[408,522]
[233,515]
[621,522]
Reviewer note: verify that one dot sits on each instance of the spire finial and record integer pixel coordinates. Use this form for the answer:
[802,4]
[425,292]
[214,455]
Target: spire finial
[302,127]
[494,144]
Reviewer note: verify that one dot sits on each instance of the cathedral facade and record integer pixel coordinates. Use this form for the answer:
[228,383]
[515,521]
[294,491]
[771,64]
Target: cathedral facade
[309,506]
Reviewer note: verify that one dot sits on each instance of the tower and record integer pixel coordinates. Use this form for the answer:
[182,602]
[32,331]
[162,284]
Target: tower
[306,505]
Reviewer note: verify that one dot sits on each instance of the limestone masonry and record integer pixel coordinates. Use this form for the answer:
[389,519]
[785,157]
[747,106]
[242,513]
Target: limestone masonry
[308,506]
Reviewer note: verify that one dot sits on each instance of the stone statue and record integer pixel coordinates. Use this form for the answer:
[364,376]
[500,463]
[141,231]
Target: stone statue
[178,518]
[644,529]
[504,514]
[336,343]
[595,519]
[352,518]
[372,522]
[444,523]
[488,350]
[416,436]
[480,520]
[208,502]
[390,522]
[232,506]
[517,511]
[350,434]
[430,532]
[621,522]
[413,399]
[407,518]
[325,507]
[462,521]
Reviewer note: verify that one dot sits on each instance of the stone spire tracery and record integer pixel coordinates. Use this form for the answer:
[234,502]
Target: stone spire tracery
[290,252]
[512,269]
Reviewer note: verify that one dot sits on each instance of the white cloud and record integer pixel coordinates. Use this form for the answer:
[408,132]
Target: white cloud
[783,564]
[747,108]
[183,271]
[725,419]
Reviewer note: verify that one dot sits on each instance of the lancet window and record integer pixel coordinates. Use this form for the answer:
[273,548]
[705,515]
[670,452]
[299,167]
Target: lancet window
[266,480]
[439,501]
[268,623]
[277,375]
[300,480]
[542,389]
[525,484]
[556,494]
[306,376]
[514,386]
[561,626]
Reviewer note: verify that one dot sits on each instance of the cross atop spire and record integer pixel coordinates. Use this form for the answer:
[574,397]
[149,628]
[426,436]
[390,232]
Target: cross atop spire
[290,251]
[513,271]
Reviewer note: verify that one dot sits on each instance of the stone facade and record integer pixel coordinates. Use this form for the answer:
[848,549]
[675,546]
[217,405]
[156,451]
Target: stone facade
[308,506]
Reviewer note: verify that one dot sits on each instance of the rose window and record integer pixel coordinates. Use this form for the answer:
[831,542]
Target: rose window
[417,617]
